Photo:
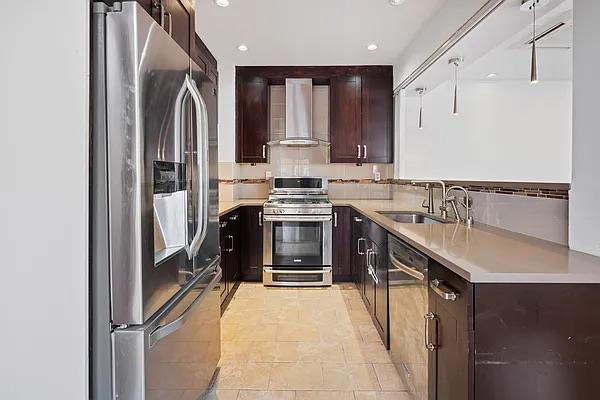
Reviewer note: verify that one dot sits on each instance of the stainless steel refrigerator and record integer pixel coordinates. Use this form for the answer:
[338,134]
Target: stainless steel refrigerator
[155,310]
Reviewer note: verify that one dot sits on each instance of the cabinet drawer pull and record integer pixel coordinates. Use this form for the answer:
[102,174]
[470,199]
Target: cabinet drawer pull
[260,219]
[264,151]
[335,219]
[358,147]
[442,290]
[229,250]
[356,219]
[365,152]
[429,345]
[358,246]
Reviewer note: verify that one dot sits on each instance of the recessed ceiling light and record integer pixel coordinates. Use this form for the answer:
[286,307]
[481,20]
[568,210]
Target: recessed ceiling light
[242,47]
[492,75]
[222,3]
[372,46]
[396,2]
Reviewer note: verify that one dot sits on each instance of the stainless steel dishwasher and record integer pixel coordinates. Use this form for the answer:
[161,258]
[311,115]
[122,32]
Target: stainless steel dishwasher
[407,273]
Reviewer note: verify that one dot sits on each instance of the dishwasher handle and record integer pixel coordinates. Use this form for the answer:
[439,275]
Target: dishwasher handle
[398,265]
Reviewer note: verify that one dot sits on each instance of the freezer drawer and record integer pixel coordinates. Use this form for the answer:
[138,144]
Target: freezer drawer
[175,355]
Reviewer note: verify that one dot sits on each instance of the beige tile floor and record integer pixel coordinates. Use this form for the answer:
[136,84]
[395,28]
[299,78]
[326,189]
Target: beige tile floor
[302,344]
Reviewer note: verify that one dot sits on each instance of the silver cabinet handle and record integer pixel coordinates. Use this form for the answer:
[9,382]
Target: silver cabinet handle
[373,275]
[429,345]
[170,30]
[260,219]
[358,246]
[370,263]
[358,146]
[264,151]
[163,17]
[234,217]
[230,237]
[356,219]
[365,152]
[369,251]
[335,219]
[442,290]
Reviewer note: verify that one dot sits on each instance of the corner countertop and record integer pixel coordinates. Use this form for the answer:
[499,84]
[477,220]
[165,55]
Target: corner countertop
[228,206]
[480,254]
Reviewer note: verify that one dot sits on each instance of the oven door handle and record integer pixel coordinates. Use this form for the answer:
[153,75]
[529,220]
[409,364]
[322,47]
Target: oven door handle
[297,218]
[288,271]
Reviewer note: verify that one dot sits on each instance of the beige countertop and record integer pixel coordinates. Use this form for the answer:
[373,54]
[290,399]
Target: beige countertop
[227,206]
[480,254]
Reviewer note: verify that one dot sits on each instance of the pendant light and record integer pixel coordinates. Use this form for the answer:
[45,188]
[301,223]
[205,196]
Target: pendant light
[456,61]
[533,5]
[420,92]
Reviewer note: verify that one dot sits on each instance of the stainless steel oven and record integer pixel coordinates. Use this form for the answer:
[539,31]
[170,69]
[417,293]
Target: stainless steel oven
[297,221]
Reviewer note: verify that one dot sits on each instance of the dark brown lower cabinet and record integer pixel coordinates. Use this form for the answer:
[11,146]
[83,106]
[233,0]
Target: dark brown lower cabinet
[357,249]
[368,249]
[342,271]
[252,247]
[512,341]
[230,255]
[449,333]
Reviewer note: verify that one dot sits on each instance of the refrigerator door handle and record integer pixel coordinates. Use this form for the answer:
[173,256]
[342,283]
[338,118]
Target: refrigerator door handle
[164,331]
[202,140]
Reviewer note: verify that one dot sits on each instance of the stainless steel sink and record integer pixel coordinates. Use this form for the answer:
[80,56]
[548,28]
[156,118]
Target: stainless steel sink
[413,217]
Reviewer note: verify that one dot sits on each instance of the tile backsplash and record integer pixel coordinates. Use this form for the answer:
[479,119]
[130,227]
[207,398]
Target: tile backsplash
[540,217]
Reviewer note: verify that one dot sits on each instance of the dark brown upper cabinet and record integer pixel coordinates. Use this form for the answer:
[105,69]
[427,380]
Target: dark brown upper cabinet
[205,60]
[361,110]
[175,16]
[345,119]
[378,116]
[252,119]
[362,116]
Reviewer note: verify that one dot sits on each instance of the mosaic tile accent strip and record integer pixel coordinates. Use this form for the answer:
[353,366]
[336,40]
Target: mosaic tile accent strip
[528,189]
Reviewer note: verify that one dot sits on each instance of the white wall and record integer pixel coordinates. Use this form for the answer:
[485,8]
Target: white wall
[505,131]
[43,208]
[226,113]
[584,230]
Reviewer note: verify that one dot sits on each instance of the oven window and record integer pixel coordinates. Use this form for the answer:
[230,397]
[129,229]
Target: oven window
[297,243]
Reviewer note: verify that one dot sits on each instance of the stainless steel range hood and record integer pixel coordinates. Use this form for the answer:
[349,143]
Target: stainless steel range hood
[298,115]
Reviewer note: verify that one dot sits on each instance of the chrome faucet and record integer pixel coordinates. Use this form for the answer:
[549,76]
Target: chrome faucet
[428,204]
[466,203]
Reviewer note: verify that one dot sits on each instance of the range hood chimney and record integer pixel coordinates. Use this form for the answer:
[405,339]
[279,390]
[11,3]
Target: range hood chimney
[298,114]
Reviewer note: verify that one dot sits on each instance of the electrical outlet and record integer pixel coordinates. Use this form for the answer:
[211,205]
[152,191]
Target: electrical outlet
[268,175]
[377,176]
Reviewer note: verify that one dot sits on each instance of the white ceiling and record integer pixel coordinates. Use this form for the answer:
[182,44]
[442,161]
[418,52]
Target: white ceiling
[498,46]
[303,32]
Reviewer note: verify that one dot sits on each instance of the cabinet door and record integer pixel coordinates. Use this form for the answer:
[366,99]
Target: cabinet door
[378,116]
[252,103]
[357,249]
[340,241]
[369,280]
[252,251]
[345,119]
[224,244]
[380,261]
[450,364]
[176,17]
[234,261]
